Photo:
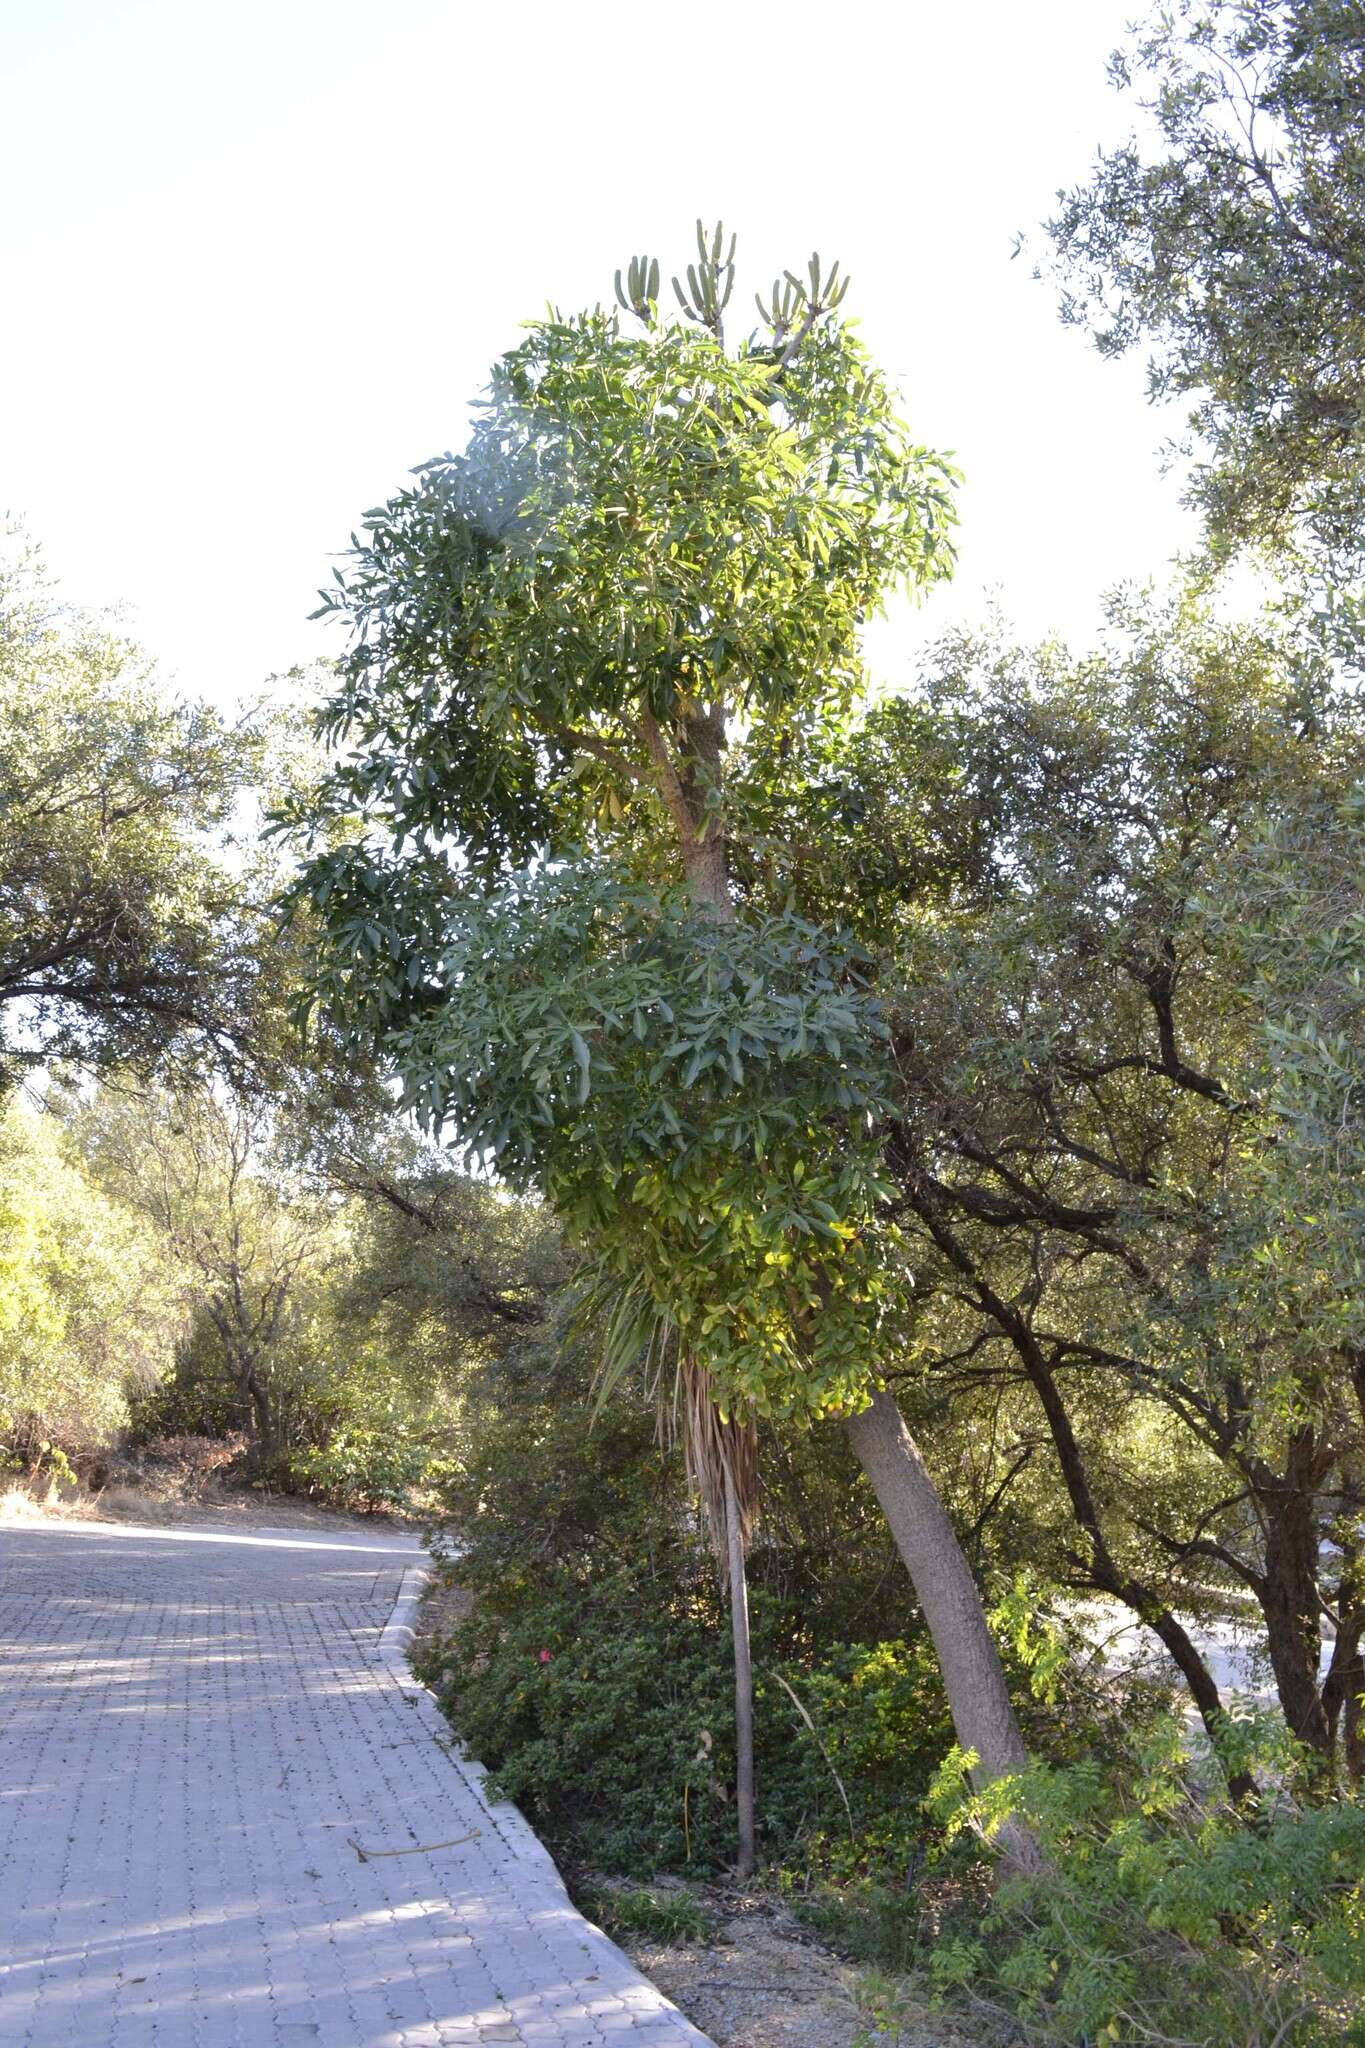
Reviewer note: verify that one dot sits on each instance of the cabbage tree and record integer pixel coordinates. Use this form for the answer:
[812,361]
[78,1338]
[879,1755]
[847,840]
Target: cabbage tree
[594,657]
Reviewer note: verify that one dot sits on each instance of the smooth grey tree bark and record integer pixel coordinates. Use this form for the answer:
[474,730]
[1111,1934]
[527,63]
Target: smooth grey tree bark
[947,1592]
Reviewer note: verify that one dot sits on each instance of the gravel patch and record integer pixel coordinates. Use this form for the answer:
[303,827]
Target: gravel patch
[761,1982]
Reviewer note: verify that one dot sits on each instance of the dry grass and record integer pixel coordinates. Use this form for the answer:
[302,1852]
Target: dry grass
[180,1481]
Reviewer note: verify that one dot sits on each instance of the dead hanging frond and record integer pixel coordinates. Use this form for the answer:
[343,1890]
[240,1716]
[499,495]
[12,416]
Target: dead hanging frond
[714,1445]
[634,1335]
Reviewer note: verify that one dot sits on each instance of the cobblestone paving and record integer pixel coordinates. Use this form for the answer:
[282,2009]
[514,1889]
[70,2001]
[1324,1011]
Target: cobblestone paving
[195,1730]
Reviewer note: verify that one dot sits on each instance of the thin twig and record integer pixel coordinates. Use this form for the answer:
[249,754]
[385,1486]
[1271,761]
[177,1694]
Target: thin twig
[852,1831]
[417,1849]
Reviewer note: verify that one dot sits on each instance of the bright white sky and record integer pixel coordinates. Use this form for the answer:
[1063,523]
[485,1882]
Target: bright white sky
[257,258]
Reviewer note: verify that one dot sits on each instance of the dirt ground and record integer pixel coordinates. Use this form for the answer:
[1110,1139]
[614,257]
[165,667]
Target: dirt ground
[763,1982]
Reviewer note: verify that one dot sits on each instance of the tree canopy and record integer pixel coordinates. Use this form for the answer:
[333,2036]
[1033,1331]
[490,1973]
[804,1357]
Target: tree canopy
[1128,1053]
[88,1303]
[592,655]
[1228,239]
[127,929]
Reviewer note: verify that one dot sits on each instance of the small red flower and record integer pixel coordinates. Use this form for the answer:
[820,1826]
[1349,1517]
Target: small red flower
[545,1656]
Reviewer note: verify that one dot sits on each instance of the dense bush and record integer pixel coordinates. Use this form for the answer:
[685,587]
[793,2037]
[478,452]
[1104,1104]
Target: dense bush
[368,1464]
[594,1673]
[361,1441]
[1166,1914]
[88,1303]
[591,1676]
[357,1436]
[192,1396]
[612,1723]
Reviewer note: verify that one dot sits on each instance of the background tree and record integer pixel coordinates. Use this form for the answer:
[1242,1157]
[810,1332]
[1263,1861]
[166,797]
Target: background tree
[1228,239]
[201,1166]
[89,1302]
[435,1248]
[600,643]
[340,1283]
[437,1278]
[1129,1059]
[127,928]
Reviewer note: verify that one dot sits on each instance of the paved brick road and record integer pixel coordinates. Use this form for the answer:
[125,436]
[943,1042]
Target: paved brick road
[193,1730]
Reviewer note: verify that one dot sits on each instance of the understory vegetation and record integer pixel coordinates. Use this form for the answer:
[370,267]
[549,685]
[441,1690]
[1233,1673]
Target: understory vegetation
[593,1676]
[593,1673]
[844,1211]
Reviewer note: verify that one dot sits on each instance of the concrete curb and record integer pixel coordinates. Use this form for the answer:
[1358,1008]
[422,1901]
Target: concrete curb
[506,1819]
[509,1822]
[397,1635]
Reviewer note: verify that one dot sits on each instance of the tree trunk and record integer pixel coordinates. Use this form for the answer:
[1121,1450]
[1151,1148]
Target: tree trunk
[265,1450]
[947,1592]
[1341,1696]
[744,1681]
[704,864]
[1289,1598]
[1352,1731]
[1345,1681]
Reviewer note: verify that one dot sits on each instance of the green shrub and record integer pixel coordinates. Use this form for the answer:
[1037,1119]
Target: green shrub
[594,1674]
[665,1913]
[366,1465]
[1169,1916]
[611,1722]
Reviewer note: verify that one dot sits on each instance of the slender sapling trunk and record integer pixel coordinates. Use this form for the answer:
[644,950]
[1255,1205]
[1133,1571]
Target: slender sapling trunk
[744,1680]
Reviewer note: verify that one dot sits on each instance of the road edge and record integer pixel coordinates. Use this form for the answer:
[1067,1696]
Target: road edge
[395,1640]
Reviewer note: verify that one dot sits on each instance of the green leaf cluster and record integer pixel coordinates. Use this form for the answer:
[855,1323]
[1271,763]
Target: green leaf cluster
[699,1101]
[1163,1914]
[639,524]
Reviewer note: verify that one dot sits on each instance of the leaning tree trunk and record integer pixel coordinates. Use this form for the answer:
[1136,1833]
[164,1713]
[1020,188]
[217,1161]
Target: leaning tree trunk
[947,1592]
